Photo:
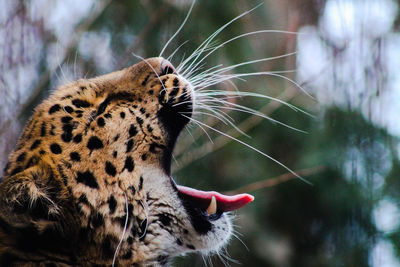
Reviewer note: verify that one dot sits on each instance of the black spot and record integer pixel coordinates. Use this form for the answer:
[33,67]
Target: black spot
[133,189]
[55,148]
[66,97]
[107,248]
[42,152]
[140,99]
[16,170]
[115,154]
[130,240]
[140,183]
[63,176]
[142,110]
[185,231]
[130,210]
[154,146]
[54,108]
[122,114]
[132,130]
[77,138]
[164,219]
[82,88]
[101,122]
[68,127]
[147,115]
[149,128]
[134,106]
[129,164]
[121,220]
[79,103]
[112,204]
[43,129]
[190,246]
[129,145]
[110,169]
[127,255]
[145,80]
[52,129]
[94,143]
[179,242]
[32,161]
[66,136]
[68,109]
[107,115]
[151,92]
[163,260]
[66,119]
[134,231]
[97,220]
[161,96]
[79,115]
[176,82]
[75,156]
[83,199]
[116,137]
[21,157]
[87,178]
[139,120]
[35,144]
[144,156]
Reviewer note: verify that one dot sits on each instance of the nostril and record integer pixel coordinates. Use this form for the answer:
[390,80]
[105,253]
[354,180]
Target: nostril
[167,68]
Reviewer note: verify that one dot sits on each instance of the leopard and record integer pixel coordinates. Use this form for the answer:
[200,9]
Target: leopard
[89,182]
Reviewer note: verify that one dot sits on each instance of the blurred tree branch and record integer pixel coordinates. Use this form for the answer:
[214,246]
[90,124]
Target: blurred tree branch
[155,18]
[277,180]
[44,79]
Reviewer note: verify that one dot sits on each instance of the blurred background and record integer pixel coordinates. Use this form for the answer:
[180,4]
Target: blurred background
[347,58]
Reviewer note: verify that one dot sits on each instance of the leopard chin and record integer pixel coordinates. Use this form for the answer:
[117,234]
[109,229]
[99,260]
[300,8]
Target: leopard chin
[89,182]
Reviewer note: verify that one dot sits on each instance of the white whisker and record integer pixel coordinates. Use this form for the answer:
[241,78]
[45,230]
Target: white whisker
[222,116]
[249,146]
[235,38]
[176,50]
[209,39]
[179,29]
[259,114]
[230,94]
[123,233]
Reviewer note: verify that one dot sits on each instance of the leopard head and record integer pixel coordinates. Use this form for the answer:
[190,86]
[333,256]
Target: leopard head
[108,142]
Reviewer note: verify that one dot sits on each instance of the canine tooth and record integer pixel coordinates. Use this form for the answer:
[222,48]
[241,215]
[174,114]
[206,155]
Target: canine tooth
[212,208]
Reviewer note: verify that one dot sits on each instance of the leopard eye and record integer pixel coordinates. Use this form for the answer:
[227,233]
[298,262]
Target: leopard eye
[168,69]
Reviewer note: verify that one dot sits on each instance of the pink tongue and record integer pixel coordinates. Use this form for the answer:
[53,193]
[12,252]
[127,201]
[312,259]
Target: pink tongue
[224,203]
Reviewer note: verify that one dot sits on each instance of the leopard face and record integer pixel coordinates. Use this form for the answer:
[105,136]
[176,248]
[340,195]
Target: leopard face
[92,170]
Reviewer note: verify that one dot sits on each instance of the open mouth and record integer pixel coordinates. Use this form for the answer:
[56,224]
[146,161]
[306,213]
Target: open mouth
[206,206]
[213,202]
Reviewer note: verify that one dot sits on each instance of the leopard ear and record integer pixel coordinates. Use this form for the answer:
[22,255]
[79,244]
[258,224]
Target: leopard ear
[33,198]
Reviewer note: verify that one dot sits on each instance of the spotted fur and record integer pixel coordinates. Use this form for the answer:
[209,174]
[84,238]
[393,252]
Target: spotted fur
[95,157]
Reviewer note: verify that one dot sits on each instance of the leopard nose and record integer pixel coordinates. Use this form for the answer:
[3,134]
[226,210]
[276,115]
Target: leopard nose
[167,68]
